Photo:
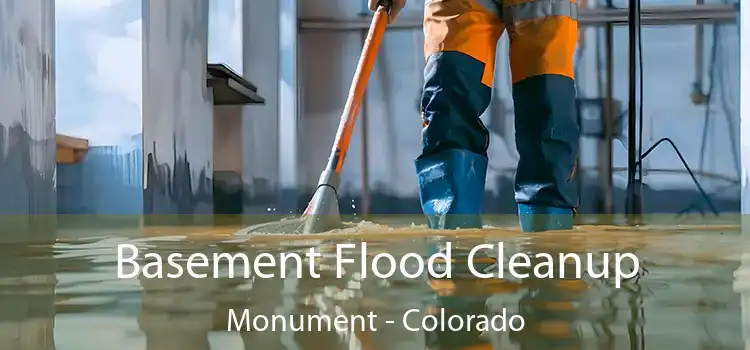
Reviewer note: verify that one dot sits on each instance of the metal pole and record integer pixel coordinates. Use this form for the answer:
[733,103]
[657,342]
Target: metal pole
[698,87]
[366,198]
[605,148]
[633,208]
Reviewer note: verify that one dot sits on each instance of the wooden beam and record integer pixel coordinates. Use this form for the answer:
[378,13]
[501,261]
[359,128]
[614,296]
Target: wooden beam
[70,149]
[72,142]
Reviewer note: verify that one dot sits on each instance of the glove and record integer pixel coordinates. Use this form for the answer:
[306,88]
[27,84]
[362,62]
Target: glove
[396,7]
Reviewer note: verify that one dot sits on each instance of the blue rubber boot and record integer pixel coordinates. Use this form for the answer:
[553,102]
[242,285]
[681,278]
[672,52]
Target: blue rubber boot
[539,218]
[451,188]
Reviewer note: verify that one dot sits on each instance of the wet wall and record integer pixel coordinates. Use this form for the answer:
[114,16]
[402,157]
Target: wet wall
[177,108]
[27,115]
[27,171]
[228,187]
[108,181]
[289,121]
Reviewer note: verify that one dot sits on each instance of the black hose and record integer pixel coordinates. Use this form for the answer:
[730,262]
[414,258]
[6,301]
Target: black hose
[687,168]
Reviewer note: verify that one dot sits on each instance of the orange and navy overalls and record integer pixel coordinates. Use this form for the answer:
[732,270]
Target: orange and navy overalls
[460,42]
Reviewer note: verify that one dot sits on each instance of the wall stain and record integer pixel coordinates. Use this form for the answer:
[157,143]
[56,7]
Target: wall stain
[26,189]
[170,191]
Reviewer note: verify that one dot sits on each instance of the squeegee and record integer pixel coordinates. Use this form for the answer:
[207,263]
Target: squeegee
[322,212]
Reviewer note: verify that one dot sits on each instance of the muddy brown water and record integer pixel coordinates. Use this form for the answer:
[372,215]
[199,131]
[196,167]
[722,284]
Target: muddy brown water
[67,295]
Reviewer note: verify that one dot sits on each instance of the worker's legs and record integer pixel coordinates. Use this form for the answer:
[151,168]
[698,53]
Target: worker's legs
[460,41]
[543,36]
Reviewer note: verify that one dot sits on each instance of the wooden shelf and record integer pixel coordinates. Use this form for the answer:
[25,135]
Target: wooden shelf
[230,88]
[71,150]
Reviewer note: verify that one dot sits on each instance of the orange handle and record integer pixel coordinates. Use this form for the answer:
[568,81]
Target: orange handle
[357,90]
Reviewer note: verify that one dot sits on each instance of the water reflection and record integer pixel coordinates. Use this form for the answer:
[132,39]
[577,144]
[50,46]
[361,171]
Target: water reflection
[686,299]
[27,297]
[578,312]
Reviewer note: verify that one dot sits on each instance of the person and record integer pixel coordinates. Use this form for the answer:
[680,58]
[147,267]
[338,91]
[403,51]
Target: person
[460,42]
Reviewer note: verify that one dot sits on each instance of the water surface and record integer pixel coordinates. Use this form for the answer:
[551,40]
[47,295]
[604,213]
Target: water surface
[686,295]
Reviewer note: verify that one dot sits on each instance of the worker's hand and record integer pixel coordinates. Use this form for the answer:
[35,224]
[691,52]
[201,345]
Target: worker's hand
[395,7]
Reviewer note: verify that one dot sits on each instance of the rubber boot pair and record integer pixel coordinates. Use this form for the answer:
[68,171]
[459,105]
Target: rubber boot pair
[451,191]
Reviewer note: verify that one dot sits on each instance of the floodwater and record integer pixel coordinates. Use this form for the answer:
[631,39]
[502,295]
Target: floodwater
[67,295]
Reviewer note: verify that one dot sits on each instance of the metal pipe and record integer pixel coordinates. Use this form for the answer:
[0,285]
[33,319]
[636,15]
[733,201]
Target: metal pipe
[610,115]
[705,174]
[632,207]
[698,97]
[652,15]
[366,200]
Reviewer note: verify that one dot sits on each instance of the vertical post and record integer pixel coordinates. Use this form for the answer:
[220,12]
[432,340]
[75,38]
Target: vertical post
[225,46]
[288,105]
[177,109]
[27,119]
[261,125]
[633,205]
[366,200]
[610,115]
[697,93]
